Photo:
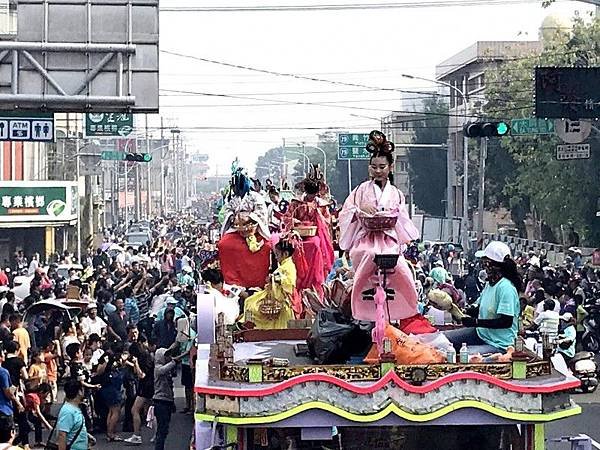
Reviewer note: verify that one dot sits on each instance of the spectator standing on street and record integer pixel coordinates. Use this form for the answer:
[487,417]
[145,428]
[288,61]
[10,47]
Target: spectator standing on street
[70,425]
[164,397]
[117,322]
[92,324]
[7,393]
[21,336]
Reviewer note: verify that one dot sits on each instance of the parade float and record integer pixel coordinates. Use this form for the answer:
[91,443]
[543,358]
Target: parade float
[269,389]
[252,390]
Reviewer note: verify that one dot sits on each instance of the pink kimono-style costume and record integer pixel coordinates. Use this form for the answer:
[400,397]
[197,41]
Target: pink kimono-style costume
[317,250]
[363,245]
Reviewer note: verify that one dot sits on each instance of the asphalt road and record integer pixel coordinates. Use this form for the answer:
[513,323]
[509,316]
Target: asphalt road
[588,422]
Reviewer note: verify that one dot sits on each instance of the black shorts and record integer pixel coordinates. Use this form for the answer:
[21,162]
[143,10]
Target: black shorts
[186,376]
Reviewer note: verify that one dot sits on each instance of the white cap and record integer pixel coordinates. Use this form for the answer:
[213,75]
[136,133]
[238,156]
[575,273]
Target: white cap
[495,250]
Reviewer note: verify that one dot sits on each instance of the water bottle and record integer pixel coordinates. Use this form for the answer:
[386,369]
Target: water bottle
[464,354]
[451,355]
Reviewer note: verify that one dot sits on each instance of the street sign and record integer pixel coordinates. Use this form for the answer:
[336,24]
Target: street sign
[567,92]
[573,131]
[352,146]
[573,151]
[113,156]
[36,127]
[108,125]
[533,125]
[199,157]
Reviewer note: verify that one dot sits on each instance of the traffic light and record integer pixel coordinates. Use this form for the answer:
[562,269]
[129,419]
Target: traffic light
[485,129]
[138,157]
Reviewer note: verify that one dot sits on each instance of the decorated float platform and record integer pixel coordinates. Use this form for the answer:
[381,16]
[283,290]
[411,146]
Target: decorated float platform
[255,380]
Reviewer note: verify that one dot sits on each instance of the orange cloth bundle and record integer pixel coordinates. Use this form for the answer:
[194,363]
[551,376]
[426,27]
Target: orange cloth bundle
[406,350]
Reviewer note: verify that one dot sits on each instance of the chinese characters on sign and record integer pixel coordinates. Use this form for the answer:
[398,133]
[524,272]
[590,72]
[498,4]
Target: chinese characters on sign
[572,151]
[523,127]
[37,201]
[108,124]
[352,146]
[19,201]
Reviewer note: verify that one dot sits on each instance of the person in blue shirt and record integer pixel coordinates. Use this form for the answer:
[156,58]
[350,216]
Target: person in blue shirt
[7,396]
[567,337]
[70,423]
[497,323]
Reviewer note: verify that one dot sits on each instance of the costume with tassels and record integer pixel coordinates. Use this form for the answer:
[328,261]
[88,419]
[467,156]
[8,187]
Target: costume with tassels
[310,216]
[385,232]
[244,248]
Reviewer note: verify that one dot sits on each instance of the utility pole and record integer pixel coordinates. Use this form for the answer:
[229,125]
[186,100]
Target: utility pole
[162,168]
[449,192]
[480,206]
[148,197]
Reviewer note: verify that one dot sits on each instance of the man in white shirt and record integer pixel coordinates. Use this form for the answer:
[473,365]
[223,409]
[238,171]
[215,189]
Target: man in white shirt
[92,323]
[548,321]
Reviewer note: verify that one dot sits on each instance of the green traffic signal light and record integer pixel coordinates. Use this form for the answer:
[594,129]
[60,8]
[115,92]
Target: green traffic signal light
[147,157]
[502,128]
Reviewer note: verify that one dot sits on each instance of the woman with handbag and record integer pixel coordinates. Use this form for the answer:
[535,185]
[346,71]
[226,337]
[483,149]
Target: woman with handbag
[70,425]
[271,308]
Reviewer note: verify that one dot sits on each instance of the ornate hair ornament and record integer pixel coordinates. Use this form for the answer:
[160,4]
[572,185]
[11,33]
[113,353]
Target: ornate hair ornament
[378,143]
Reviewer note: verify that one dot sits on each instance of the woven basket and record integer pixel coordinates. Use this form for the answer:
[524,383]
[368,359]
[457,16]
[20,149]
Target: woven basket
[306,231]
[379,223]
[270,308]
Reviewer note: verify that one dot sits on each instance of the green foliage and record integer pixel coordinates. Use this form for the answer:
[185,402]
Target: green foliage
[428,172]
[523,173]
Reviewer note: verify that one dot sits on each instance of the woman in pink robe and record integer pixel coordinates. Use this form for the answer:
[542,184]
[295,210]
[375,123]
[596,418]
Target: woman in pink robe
[378,197]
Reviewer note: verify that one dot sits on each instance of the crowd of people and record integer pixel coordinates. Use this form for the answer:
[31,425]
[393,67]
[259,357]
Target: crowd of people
[116,360]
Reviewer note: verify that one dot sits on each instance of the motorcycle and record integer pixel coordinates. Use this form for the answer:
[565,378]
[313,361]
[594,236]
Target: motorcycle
[590,340]
[584,367]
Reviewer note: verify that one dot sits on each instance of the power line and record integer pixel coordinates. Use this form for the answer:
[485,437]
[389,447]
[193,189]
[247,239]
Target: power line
[347,6]
[292,75]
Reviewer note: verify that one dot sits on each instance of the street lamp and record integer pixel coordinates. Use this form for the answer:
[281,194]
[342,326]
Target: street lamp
[324,159]
[465,218]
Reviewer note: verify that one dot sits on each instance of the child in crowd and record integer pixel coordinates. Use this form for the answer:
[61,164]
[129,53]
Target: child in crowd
[35,398]
[37,370]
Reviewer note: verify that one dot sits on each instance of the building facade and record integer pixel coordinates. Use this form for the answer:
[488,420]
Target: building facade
[466,71]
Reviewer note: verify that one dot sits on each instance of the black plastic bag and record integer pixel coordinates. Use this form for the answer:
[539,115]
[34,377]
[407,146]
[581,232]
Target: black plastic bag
[334,338]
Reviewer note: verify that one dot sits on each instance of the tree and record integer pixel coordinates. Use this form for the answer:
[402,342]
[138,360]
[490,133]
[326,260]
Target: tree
[559,192]
[427,166]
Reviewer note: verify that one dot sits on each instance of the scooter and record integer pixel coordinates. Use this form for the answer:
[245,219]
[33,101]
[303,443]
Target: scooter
[584,368]
[590,340]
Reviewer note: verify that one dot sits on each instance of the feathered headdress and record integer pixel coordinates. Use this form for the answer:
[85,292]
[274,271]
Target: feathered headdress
[378,144]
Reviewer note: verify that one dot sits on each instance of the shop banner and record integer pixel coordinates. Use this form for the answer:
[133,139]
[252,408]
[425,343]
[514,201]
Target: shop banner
[38,201]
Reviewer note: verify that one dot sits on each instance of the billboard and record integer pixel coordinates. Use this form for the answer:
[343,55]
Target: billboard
[567,92]
[37,203]
[84,56]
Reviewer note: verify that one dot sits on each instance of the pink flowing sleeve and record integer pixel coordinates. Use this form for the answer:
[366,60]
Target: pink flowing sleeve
[348,221]
[405,228]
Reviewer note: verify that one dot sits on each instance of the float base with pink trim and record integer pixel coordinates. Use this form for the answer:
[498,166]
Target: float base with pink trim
[255,393]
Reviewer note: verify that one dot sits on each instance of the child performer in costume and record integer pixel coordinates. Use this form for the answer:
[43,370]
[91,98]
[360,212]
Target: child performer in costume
[271,308]
[244,248]
[311,211]
[374,221]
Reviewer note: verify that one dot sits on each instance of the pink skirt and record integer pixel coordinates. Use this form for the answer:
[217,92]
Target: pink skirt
[365,277]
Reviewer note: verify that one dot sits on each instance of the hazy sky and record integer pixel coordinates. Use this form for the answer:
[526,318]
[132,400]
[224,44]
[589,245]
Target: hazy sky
[371,47]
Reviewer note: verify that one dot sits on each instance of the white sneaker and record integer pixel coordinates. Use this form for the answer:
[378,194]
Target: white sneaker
[134,440]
